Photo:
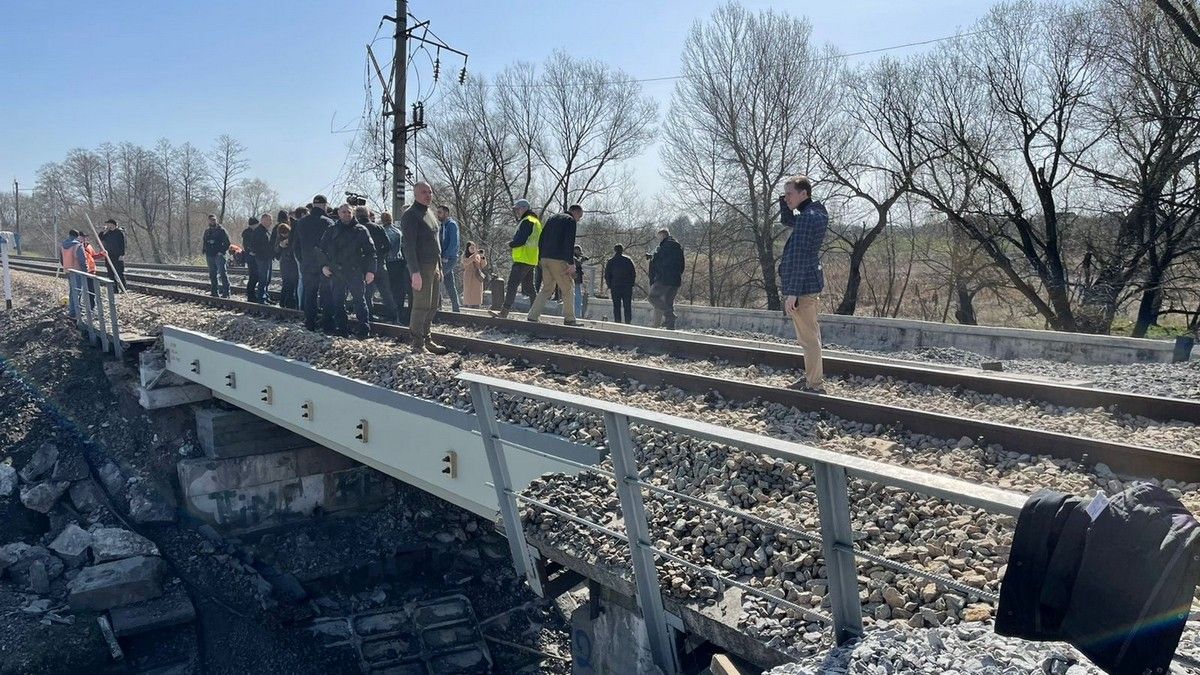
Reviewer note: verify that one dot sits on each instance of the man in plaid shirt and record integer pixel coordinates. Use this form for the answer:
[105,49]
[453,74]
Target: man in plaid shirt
[801,273]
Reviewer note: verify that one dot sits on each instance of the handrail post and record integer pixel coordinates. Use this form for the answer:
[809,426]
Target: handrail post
[485,412]
[102,318]
[645,573]
[112,313]
[86,298]
[833,503]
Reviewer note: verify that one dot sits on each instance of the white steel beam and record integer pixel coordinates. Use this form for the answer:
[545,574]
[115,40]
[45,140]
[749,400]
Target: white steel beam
[401,435]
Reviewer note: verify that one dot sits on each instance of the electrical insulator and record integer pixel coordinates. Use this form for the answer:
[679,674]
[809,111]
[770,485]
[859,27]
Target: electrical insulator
[437,68]
[462,75]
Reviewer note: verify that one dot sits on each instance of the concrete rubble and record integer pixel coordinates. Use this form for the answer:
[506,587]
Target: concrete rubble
[112,543]
[72,545]
[112,584]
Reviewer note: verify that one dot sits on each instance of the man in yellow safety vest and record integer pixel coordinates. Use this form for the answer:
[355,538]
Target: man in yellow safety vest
[524,247]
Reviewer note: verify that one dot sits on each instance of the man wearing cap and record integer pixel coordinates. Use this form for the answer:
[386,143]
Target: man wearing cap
[112,240]
[524,247]
[215,245]
[306,235]
[423,255]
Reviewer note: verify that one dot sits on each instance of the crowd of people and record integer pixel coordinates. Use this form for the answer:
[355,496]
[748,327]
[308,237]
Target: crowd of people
[335,260]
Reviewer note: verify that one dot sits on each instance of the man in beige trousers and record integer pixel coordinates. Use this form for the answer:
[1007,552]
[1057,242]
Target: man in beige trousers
[801,276]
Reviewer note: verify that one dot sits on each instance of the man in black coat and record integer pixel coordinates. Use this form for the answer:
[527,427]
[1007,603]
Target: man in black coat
[620,276]
[215,245]
[261,251]
[666,276]
[382,283]
[306,235]
[347,257]
[113,241]
[556,258]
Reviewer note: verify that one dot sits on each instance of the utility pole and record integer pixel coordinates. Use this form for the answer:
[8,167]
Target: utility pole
[17,202]
[399,125]
[395,90]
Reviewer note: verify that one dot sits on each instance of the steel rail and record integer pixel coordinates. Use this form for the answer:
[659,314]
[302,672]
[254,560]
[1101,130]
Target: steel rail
[1159,408]
[1120,457]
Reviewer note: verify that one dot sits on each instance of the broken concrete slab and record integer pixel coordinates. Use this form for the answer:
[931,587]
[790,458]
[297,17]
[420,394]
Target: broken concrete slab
[42,497]
[70,467]
[169,397]
[72,545]
[169,610]
[17,558]
[114,543]
[112,478]
[40,464]
[112,584]
[39,578]
[85,496]
[8,479]
[149,504]
[251,492]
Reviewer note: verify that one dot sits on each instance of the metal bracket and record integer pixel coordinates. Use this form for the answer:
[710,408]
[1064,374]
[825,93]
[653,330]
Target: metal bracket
[362,431]
[451,462]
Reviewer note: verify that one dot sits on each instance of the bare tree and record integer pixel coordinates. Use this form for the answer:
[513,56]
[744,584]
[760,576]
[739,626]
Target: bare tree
[190,171]
[226,163]
[1003,112]
[754,88]
[869,152]
[1184,16]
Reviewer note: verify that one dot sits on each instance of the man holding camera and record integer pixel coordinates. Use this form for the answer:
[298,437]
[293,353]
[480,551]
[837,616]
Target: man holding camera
[801,274]
[666,276]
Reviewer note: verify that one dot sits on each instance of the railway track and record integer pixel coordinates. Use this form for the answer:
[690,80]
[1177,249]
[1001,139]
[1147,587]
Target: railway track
[744,352]
[1121,457]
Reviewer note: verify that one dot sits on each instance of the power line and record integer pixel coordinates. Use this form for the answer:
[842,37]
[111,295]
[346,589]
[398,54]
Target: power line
[822,59]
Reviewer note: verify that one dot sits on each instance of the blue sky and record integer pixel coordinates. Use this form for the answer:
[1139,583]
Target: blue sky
[278,75]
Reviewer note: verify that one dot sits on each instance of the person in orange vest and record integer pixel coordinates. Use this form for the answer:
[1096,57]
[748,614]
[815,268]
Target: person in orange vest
[89,256]
[73,258]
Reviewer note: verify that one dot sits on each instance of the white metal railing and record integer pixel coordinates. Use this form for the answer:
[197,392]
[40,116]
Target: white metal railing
[830,470]
[100,320]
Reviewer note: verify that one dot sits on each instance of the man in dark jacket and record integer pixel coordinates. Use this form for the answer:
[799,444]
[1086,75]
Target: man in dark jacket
[666,276]
[382,283]
[800,272]
[263,254]
[215,244]
[397,269]
[423,254]
[112,239]
[289,272]
[306,235]
[248,237]
[347,258]
[556,257]
[620,276]
[524,247]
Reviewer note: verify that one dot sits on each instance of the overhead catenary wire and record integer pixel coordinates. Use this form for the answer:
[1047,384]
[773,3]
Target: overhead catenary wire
[815,60]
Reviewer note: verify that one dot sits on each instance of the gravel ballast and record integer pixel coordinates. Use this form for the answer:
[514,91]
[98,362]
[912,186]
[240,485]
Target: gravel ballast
[926,533]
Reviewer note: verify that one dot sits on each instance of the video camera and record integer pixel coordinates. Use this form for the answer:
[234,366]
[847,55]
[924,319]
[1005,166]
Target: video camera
[355,199]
